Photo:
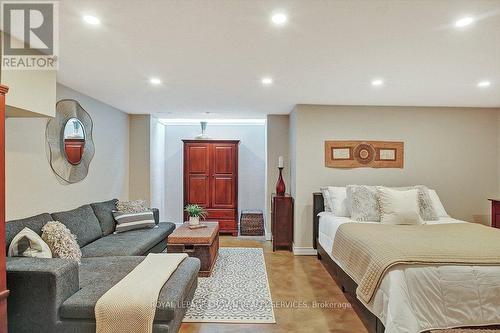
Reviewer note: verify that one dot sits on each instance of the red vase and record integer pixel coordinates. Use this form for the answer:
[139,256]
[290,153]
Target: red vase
[280,185]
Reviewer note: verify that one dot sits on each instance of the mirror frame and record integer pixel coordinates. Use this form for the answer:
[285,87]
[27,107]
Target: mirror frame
[54,133]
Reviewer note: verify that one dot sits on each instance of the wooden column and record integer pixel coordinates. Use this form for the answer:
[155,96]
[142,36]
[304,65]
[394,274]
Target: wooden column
[3,277]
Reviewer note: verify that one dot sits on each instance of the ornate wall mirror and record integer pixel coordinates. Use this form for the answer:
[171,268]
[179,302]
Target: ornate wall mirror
[70,143]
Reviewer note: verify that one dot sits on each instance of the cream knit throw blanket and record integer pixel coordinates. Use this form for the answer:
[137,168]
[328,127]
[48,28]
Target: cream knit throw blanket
[366,251]
[130,306]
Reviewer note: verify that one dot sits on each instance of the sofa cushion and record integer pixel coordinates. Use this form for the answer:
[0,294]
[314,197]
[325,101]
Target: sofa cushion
[130,243]
[82,222]
[35,223]
[104,212]
[98,275]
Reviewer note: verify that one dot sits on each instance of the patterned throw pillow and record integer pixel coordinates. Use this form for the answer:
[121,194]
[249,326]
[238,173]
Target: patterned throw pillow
[362,202]
[133,221]
[61,241]
[135,206]
[27,243]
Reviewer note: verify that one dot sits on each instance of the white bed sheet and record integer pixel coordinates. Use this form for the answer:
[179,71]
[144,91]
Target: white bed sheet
[416,298]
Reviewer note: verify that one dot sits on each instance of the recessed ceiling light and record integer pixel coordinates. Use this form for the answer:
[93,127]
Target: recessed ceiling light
[267,81]
[483,84]
[155,81]
[464,21]
[279,18]
[377,82]
[91,20]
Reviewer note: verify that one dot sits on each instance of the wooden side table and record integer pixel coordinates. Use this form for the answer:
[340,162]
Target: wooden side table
[200,243]
[282,222]
[495,213]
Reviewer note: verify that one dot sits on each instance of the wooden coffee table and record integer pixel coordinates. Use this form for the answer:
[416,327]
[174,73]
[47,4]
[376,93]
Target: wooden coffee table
[200,243]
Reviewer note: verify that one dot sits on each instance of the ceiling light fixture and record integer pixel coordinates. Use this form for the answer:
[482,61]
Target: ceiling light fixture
[377,82]
[279,19]
[484,84]
[267,81]
[155,81]
[463,22]
[91,20]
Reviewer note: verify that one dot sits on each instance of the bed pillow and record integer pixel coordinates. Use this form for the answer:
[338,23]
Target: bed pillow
[426,205]
[338,201]
[28,243]
[326,199]
[133,221]
[398,206]
[438,205]
[61,241]
[362,203]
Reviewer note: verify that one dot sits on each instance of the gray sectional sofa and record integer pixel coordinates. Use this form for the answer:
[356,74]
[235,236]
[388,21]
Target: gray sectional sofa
[58,295]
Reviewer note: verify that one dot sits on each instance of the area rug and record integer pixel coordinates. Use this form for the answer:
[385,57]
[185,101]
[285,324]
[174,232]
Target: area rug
[237,292]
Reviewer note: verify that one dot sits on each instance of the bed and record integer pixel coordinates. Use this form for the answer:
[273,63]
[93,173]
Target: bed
[414,298]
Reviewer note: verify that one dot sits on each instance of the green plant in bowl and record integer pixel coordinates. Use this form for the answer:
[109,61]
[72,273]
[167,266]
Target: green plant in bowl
[195,212]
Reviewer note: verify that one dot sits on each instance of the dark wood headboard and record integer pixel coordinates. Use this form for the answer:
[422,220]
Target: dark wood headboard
[318,207]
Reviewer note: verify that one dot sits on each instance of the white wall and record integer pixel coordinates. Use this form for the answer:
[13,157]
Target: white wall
[251,169]
[277,140]
[33,188]
[158,172]
[454,150]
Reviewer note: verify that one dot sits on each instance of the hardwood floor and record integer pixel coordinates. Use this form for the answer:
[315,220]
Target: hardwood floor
[299,279]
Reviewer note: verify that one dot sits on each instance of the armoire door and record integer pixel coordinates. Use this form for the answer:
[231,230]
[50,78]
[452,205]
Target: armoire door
[197,174]
[223,175]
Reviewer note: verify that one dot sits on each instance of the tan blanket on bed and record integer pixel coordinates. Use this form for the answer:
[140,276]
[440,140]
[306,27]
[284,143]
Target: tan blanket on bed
[366,251]
[130,306]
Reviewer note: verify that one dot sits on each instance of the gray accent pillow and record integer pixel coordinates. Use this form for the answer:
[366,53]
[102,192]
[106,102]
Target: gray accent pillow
[104,213]
[426,207]
[82,222]
[362,202]
[134,206]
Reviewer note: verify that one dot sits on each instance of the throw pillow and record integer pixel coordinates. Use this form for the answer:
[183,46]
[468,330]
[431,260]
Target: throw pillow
[426,207]
[27,243]
[326,199]
[61,241]
[133,221]
[362,203]
[399,207]
[135,206]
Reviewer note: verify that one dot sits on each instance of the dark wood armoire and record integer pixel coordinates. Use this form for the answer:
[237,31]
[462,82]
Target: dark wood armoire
[3,278]
[211,180]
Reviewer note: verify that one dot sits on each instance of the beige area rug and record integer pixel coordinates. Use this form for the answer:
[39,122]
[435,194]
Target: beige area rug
[237,292]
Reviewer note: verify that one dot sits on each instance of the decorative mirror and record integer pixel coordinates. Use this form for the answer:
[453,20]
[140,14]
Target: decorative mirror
[70,143]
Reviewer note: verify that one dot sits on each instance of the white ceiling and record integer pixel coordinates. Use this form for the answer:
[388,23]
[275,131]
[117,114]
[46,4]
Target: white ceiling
[212,54]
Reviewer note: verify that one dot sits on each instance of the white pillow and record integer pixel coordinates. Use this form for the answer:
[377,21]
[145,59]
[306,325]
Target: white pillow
[438,206]
[27,243]
[399,207]
[336,200]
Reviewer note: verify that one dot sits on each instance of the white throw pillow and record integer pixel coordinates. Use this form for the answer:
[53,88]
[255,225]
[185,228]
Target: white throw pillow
[438,205]
[27,243]
[399,207]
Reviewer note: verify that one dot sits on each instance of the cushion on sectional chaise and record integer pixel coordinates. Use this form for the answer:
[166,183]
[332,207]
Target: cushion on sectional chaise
[130,243]
[98,275]
[82,222]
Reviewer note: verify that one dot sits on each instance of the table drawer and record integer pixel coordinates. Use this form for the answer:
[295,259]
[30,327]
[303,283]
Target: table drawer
[227,224]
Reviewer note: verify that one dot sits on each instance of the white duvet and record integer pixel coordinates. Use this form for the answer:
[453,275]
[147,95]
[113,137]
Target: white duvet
[417,298]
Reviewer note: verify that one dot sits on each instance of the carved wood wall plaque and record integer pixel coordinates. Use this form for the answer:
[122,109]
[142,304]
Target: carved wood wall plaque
[364,154]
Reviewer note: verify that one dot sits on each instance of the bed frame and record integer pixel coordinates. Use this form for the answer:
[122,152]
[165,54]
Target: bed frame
[348,286]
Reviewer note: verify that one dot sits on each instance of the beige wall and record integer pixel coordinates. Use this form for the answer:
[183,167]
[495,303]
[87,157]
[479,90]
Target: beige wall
[140,132]
[453,150]
[33,188]
[277,140]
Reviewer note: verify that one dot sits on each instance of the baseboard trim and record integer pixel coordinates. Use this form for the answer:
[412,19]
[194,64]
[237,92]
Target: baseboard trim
[269,237]
[303,251]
